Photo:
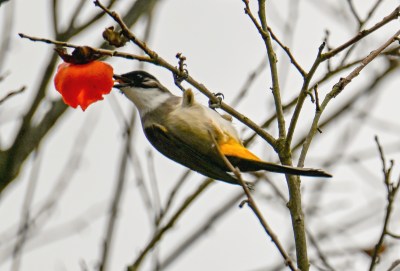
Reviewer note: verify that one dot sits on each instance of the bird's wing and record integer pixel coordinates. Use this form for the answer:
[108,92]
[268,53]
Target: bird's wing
[171,145]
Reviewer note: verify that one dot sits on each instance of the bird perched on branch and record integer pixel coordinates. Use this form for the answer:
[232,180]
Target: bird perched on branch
[192,134]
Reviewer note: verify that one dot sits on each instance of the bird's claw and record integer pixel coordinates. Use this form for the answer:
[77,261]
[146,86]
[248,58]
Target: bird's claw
[216,103]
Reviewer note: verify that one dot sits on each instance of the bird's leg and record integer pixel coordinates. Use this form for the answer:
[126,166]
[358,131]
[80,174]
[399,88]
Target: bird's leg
[216,103]
[183,72]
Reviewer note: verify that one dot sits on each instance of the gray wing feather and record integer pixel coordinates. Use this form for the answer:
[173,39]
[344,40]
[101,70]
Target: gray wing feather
[174,148]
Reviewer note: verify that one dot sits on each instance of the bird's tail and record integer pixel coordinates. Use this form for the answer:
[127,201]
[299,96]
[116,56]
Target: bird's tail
[253,165]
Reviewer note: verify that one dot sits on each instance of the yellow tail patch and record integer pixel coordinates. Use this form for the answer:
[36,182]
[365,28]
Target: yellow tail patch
[234,148]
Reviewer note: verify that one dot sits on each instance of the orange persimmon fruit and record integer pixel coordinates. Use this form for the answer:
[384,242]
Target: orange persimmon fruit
[83,84]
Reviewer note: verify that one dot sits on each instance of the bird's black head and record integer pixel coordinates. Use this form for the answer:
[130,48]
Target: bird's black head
[139,79]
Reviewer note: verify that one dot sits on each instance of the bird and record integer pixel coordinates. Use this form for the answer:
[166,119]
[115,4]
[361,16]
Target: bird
[192,134]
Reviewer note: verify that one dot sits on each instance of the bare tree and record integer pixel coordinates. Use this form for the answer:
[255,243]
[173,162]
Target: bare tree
[326,85]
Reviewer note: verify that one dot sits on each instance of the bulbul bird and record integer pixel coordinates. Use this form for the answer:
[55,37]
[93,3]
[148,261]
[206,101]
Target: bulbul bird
[186,131]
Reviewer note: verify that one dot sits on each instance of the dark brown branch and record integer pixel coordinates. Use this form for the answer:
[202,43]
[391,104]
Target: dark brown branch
[12,93]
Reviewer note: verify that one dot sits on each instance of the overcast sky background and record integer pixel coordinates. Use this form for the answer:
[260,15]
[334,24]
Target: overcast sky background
[222,48]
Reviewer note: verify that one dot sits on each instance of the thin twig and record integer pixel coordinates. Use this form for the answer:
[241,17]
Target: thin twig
[391,189]
[393,266]
[321,255]
[61,231]
[289,53]
[361,24]
[349,105]
[173,193]
[75,15]
[216,214]
[253,206]
[322,57]
[164,229]
[336,90]
[362,34]
[393,235]
[302,97]
[8,20]
[135,161]
[38,219]
[354,12]
[103,52]
[54,16]
[262,28]
[12,93]
[248,83]
[115,202]
[23,231]
[155,191]
[72,28]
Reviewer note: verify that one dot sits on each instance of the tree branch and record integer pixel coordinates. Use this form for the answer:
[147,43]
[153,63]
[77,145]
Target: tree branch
[391,189]
[263,30]
[336,90]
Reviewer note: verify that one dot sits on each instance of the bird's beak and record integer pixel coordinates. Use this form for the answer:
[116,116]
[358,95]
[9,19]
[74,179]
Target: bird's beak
[121,81]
